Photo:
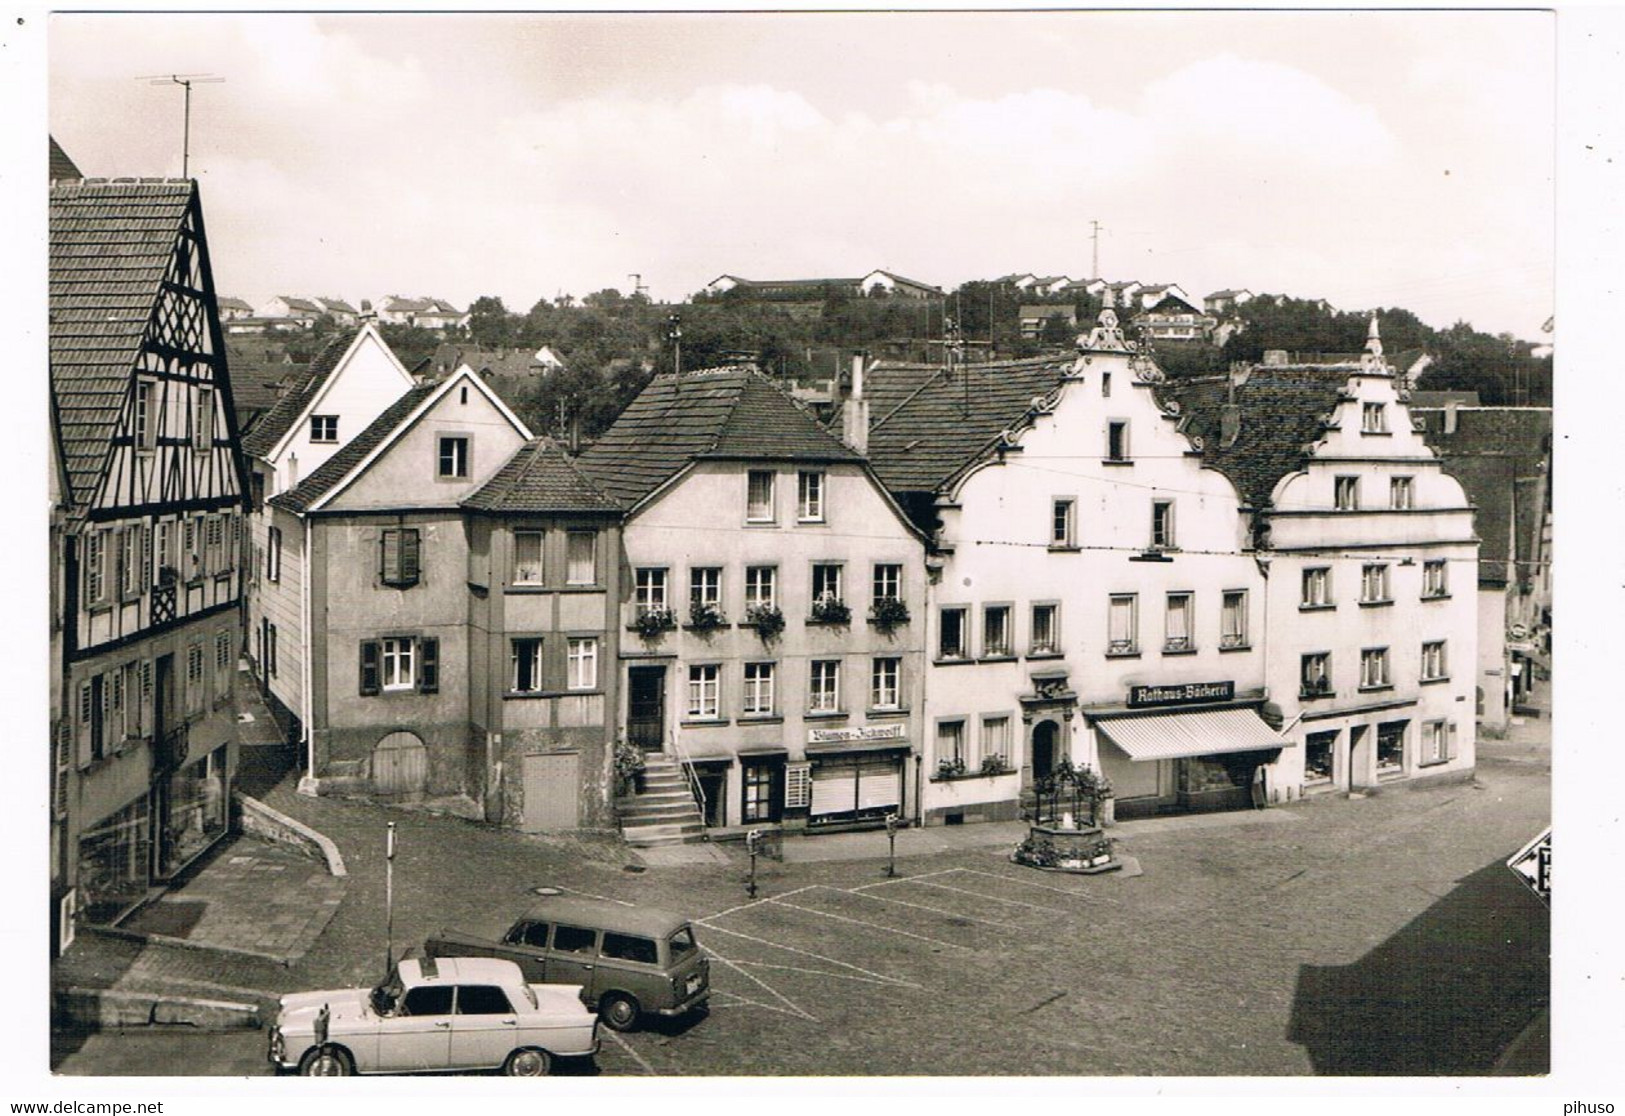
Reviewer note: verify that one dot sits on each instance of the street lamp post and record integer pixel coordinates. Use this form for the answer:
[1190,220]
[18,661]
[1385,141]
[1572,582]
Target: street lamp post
[389,901]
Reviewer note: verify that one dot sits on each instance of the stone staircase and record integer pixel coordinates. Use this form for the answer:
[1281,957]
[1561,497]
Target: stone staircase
[665,812]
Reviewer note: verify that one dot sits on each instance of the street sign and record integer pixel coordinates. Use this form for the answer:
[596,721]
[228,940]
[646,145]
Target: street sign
[1533,865]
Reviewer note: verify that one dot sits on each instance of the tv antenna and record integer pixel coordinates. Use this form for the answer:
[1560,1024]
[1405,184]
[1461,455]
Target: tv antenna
[185,81]
[1094,236]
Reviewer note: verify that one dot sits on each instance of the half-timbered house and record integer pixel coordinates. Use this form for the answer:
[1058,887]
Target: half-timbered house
[151,510]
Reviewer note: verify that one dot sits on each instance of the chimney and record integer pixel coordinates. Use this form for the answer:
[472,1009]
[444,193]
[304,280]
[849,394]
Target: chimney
[1229,423]
[855,414]
[1450,408]
[575,435]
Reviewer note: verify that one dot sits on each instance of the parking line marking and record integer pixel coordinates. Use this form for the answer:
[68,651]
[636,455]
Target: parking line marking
[636,1057]
[875,925]
[757,980]
[1093,898]
[903,879]
[815,972]
[927,907]
[757,902]
[995,898]
[745,1001]
[808,953]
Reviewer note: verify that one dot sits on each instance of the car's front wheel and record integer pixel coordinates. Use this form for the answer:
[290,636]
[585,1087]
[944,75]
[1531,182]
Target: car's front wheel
[528,1063]
[326,1061]
[619,1011]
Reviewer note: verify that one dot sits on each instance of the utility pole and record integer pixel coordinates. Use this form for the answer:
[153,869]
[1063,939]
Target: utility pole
[185,81]
[637,284]
[1094,235]
[674,334]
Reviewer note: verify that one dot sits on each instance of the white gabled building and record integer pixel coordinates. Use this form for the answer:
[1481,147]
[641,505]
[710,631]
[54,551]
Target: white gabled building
[352,381]
[1372,565]
[1091,600]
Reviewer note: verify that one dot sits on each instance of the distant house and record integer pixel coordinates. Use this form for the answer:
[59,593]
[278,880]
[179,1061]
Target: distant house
[1174,319]
[1033,317]
[289,308]
[507,363]
[1152,293]
[878,282]
[339,310]
[424,313]
[232,309]
[1226,301]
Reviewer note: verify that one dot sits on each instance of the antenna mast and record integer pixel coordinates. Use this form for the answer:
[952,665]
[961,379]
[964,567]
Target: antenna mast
[1094,235]
[185,81]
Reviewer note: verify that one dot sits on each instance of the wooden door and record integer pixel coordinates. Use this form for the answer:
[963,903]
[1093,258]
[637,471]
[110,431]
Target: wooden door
[551,798]
[646,707]
[400,764]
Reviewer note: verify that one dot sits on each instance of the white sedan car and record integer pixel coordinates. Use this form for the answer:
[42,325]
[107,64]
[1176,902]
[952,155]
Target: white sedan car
[435,1014]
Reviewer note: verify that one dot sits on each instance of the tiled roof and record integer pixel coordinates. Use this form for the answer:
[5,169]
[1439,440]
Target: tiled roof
[539,477]
[1422,399]
[62,167]
[732,412]
[336,304]
[335,468]
[301,304]
[926,424]
[397,303]
[110,245]
[262,439]
[227,302]
[916,282]
[1282,410]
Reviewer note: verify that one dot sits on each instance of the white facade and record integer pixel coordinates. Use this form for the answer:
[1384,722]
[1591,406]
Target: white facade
[1008,546]
[1362,584]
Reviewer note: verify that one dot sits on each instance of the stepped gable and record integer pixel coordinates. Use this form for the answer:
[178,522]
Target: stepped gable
[540,477]
[1282,409]
[928,425]
[337,467]
[730,412]
[111,243]
[276,422]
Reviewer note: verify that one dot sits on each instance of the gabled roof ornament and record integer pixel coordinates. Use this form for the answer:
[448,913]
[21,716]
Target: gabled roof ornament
[1372,360]
[1107,337]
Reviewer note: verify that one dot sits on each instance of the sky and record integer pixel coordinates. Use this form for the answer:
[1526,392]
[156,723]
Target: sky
[1378,158]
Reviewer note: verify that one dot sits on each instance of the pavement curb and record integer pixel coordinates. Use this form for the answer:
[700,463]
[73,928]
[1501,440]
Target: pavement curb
[263,821]
[101,1008]
[188,944]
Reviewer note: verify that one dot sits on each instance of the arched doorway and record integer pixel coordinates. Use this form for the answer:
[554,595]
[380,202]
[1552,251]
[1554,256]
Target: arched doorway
[400,764]
[1045,748]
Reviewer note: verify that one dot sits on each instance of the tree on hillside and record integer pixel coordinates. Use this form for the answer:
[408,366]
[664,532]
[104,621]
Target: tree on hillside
[490,325]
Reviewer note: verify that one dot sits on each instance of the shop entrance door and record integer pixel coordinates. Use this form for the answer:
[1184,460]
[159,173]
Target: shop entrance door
[1044,749]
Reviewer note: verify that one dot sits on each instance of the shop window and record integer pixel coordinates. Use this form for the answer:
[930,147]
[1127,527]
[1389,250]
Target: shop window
[951,633]
[1391,747]
[197,810]
[1318,750]
[763,787]
[114,855]
[758,689]
[1045,630]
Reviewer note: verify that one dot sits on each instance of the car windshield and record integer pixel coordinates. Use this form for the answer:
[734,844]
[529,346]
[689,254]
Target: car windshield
[387,995]
[682,942]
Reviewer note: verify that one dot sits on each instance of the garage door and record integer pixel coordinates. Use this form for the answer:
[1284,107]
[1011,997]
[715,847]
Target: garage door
[871,787]
[551,784]
[834,788]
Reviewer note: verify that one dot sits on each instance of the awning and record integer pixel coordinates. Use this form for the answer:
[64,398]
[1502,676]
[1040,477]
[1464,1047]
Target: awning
[1158,736]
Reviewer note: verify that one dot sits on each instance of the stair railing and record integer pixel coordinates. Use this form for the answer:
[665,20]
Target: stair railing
[689,776]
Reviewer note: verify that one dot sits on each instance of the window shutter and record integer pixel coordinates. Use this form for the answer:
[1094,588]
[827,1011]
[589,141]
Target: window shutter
[146,558]
[64,752]
[369,668]
[798,786]
[409,556]
[428,666]
[148,719]
[1450,741]
[389,556]
[87,715]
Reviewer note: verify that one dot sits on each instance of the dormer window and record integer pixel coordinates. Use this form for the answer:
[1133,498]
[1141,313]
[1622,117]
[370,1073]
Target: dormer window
[324,428]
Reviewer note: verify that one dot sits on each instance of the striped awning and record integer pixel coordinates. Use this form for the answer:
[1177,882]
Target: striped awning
[1158,736]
